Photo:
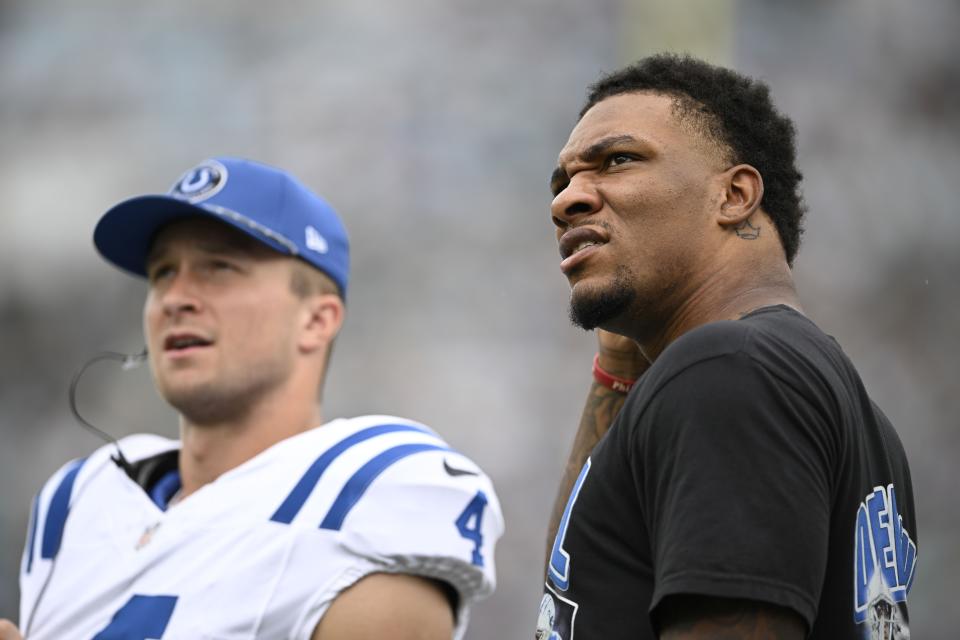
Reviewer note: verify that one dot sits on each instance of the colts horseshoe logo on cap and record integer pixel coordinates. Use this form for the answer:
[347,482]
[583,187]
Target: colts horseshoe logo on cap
[202,182]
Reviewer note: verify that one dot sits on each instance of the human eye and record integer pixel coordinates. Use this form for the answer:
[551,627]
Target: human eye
[158,272]
[557,186]
[618,158]
[558,181]
[221,265]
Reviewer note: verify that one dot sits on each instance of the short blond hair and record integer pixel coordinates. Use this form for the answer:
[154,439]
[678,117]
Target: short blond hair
[306,280]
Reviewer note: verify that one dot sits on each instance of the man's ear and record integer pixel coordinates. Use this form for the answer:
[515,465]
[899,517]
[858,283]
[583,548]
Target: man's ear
[741,196]
[321,319]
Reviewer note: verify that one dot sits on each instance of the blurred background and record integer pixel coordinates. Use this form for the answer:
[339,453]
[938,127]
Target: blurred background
[432,126]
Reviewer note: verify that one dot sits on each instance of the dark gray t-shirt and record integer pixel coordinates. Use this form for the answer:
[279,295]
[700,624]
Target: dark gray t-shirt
[748,462]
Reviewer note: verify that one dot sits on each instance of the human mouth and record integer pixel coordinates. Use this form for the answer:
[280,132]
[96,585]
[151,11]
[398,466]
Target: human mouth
[180,343]
[583,245]
[577,244]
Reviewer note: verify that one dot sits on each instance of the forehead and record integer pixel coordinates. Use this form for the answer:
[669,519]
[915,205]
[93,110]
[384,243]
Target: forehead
[205,234]
[648,117]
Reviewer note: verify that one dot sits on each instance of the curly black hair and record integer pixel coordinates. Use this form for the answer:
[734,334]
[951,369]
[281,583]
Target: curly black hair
[737,113]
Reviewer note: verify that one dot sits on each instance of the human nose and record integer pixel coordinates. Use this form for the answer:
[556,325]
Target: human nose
[578,198]
[179,296]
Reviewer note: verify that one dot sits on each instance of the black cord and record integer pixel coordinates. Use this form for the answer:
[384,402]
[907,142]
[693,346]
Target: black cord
[127,362]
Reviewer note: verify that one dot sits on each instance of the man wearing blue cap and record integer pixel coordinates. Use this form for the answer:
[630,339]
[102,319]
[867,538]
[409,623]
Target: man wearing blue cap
[255,524]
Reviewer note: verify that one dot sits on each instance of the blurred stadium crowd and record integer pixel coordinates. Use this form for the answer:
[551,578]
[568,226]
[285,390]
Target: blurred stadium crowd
[432,126]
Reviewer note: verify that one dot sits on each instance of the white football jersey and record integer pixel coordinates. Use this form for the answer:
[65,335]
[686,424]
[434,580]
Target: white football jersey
[262,551]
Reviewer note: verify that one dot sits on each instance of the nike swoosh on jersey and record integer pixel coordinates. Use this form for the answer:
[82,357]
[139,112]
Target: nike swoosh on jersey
[453,471]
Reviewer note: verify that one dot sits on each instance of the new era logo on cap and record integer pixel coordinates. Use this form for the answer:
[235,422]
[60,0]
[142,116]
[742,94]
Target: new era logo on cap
[316,241]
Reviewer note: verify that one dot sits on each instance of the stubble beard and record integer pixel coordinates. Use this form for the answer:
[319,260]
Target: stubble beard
[218,402]
[599,306]
[208,405]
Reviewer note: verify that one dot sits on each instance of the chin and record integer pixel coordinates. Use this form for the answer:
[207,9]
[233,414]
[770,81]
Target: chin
[597,306]
[200,403]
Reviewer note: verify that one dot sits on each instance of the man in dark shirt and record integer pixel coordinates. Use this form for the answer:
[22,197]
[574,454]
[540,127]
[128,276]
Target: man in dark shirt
[748,487]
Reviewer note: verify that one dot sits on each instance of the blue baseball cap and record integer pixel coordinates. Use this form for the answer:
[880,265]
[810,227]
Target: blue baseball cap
[261,201]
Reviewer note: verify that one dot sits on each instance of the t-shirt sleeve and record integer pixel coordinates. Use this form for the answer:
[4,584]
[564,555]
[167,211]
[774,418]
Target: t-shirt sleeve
[734,467]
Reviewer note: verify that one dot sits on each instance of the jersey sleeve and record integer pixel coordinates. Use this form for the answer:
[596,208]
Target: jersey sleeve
[434,514]
[734,467]
[420,509]
[387,495]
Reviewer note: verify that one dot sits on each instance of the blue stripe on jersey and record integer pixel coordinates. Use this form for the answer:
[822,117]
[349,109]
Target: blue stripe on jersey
[34,514]
[355,487]
[294,502]
[57,513]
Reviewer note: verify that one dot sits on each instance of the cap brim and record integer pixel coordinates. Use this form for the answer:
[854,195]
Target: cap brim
[125,233]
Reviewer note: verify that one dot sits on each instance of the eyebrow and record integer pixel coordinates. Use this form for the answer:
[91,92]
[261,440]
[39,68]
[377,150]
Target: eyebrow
[590,154]
[157,251]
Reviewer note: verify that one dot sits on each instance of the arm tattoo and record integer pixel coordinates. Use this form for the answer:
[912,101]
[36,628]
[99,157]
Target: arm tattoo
[693,618]
[602,407]
[747,231]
